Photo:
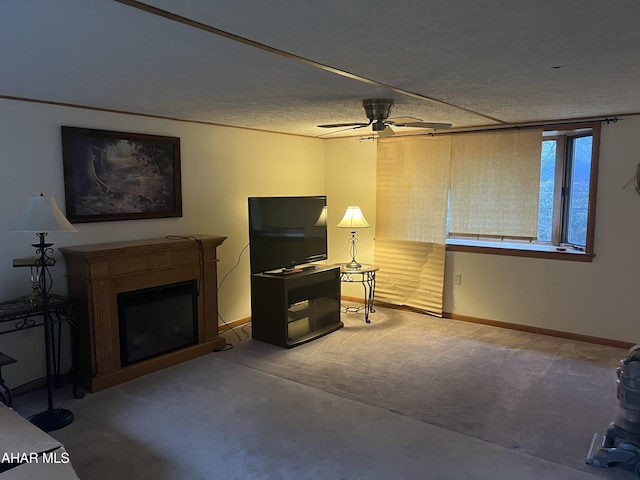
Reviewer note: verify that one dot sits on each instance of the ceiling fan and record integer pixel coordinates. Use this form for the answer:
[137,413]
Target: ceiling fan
[377,111]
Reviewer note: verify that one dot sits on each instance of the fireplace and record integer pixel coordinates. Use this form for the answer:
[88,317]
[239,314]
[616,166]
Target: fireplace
[110,280]
[157,320]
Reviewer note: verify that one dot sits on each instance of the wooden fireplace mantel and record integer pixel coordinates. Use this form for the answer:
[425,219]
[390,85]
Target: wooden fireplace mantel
[96,274]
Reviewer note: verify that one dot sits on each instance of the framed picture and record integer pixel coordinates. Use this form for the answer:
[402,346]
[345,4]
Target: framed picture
[120,176]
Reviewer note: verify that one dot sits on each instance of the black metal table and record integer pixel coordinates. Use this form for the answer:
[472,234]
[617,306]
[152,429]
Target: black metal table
[366,275]
[22,313]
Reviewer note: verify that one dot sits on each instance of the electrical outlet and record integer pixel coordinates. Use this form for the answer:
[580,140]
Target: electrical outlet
[457,279]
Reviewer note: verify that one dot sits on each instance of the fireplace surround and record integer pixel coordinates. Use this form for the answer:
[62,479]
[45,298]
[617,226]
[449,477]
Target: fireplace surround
[97,274]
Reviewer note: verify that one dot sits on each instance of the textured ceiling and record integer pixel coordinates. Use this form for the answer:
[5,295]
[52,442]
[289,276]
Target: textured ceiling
[466,62]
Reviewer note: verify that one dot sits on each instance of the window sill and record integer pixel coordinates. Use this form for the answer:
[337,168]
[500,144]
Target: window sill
[516,249]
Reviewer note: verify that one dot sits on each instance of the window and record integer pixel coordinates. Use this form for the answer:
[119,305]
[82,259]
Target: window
[547,189]
[566,200]
[576,213]
[565,185]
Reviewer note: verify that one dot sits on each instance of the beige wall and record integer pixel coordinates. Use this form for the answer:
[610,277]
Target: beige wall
[596,299]
[351,180]
[221,167]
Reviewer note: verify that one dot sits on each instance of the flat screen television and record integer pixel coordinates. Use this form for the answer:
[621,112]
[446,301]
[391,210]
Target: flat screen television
[286,231]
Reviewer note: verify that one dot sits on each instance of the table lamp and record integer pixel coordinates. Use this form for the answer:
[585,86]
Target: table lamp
[353,219]
[41,216]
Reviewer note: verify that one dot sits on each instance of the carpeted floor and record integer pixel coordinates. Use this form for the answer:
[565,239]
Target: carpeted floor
[541,395]
[407,396]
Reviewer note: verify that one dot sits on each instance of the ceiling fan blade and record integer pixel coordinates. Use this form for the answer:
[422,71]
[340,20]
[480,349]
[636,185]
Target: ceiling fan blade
[403,120]
[359,125]
[338,125]
[387,132]
[423,125]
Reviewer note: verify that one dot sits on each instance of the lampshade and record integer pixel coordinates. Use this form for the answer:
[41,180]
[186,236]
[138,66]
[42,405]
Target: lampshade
[353,218]
[42,215]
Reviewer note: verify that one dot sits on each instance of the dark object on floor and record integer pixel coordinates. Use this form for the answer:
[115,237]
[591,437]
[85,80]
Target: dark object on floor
[620,445]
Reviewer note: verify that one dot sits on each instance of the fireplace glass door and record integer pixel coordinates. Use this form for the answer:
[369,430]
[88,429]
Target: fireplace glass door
[154,321]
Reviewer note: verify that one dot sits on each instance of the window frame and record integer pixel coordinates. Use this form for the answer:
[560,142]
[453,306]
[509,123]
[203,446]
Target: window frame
[555,249]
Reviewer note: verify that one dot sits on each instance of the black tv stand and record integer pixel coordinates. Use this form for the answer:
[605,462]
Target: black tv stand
[288,310]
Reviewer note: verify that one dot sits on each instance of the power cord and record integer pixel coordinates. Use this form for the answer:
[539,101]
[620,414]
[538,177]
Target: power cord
[220,286]
[200,256]
[228,346]
[234,267]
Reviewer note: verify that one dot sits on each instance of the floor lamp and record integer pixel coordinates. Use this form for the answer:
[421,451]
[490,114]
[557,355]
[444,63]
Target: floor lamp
[353,219]
[41,216]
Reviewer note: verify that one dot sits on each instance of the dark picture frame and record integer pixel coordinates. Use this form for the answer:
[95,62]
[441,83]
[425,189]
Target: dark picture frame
[111,176]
